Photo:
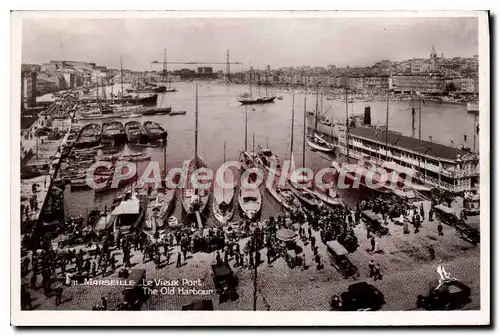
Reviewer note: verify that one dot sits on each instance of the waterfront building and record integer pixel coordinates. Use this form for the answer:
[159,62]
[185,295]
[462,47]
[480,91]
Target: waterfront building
[467,85]
[452,169]
[356,83]
[430,83]
[373,83]
[45,84]
[29,88]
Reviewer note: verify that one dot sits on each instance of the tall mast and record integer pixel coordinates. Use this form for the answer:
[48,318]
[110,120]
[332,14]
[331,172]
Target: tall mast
[165,73]
[258,82]
[196,128]
[347,125]
[316,114]
[321,106]
[265,83]
[419,131]
[253,144]
[293,116]
[387,127]
[121,75]
[304,136]
[224,189]
[246,128]
[250,83]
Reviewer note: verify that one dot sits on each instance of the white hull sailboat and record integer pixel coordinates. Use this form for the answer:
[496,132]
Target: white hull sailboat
[194,199]
[318,145]
[223,207]
[250,201]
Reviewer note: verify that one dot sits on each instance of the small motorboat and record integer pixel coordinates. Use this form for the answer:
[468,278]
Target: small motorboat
[285,198]
[177,113]
[250,201]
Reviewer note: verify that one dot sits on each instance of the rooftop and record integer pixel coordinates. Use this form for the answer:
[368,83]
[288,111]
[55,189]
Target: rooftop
[413,144]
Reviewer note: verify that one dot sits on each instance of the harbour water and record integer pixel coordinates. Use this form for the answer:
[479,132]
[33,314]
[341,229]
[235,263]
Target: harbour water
[222,119]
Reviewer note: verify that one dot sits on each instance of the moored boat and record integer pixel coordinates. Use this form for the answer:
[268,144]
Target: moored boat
[113,133]
[256,100]
[177,112]
[285,198]
[223,207]
[90,136]
[195,198]
[328,196]
[157,110]
[135,132]
[134,157]
[307,197]
[319,144]
[269,160]
[154,130]
[250,201]
[159,208]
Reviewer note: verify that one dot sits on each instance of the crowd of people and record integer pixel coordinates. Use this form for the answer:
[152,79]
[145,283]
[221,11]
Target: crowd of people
[63,265]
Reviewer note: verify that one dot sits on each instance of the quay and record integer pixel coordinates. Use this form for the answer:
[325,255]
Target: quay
[42,141]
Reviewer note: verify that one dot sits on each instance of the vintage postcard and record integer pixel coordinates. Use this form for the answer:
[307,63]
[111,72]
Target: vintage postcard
[250,168]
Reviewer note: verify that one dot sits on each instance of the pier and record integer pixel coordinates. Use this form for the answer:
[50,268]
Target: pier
[41,146]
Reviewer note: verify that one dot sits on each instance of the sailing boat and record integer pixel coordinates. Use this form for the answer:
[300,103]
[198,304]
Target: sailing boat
[284,196]
[249,199]
[305,195]
[248,99]
[223,197]
[160,205]
[267,159]
[315,141]
[246,158]
[194,199]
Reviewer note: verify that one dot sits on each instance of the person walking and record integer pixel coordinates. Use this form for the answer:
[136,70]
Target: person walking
[440,229]
[371,267]
[59,291]
[178,260]
[372,243]
[104,303]
[432,252]
[406,229]
[377,274]
[317,258]
[218,258]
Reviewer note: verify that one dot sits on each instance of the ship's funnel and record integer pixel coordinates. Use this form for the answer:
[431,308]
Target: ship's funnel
[367,118]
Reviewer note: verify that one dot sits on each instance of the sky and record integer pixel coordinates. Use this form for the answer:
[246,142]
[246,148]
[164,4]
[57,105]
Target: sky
[252,41]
